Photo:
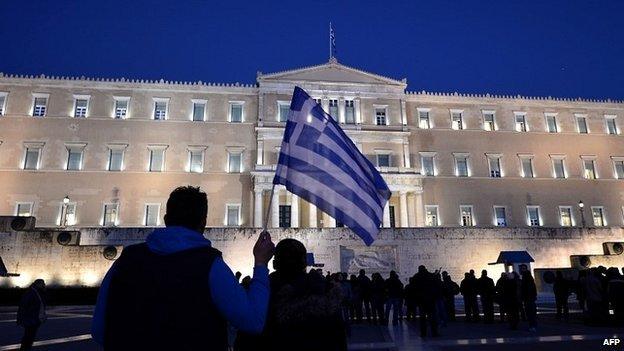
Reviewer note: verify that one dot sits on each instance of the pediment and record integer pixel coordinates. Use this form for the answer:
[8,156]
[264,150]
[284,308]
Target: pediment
[331,72]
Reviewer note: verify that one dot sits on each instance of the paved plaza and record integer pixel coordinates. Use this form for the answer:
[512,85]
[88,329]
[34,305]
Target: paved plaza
[67,328]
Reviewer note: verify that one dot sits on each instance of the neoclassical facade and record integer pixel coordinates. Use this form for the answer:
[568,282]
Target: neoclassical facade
[107,152]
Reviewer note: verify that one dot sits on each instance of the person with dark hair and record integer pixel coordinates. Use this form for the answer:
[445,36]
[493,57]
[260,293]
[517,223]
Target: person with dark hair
[561,289]
[579,290]
[378,299]
[238,276]
[355,297]
[428,291]
[528,293]
[500,297]
[347,296]
[394,287]
[487,290]
[31,312]
[449,290]
[468,289]
[511,299]
[364,302]
[175,292]
[410,300]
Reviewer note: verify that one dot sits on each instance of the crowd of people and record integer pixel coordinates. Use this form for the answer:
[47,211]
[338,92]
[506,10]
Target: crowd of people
[598,290]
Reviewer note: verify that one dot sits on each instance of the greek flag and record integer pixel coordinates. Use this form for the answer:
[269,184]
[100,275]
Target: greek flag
[319,163]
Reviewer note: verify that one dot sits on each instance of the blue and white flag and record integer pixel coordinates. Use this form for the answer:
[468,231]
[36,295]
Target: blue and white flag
[319,163]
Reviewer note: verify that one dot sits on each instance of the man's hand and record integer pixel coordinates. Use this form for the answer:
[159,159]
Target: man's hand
[263,250]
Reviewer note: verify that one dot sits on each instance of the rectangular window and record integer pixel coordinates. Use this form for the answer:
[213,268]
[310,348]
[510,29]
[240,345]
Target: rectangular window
[196,161]
[333,109]
[80,107]
[558,168]
[24,209]
[152,215]
[157,160]
[283,109]
[495,166]
[383,160]
[115,159]
[461,166]
[619,168]
[423,119]
[521,125]
[533,217]
[565,216]
[598,216]
[427,165]
[431,216]
[489,123]
[121,108]
[234,162]
[500,216]
[69,211]
[611,125]
[551,123]
[284,216]
[232,215]
[109,219]
[392,216]
[466,219]
[31,160]
[74,158]
[199,111]
[349,112]
[527,167]
[39,106]
[3,98]
[236,112]
[160,110]
[380,116]
[457,120]
[581,123]
[589,169]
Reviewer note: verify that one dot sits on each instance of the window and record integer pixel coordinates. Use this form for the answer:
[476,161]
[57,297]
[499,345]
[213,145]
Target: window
[3,98]
[589,169]
[349,112]
[500,216]
[70,214]
[521,125]
[81,104]
[383,160]
[380,116]
[558,167]
[461,165]
[333,109]
[392,216]
[116,156]
[618,165]
[533,217]
[427,164]
[495,166]
[32,156]
[283,109]
[74,156]
[232,215]
[598,216]
[457,119]
[235,161]
[24,209]
[152,215]
[157,158]
[284,216]
[551,123]
[489,122]
[581,124]
[39,105]
[565,216]
[199,111]
[109,219]
[423,118]
[160,109]
[196,159]
[236,111]
[121,107]
[610,121]
[431,216]
[526,163]
[466,219]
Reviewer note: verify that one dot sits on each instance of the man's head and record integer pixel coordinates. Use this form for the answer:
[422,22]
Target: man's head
[290,257]
[362,272]
[39,284]
[484,273]
[187,207]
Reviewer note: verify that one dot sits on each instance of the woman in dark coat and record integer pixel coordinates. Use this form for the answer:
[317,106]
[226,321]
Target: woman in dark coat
[31,312]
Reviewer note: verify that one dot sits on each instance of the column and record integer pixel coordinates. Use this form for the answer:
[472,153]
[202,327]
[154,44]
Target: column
[331,222]
[260,152]
[294,211]
[403,209]
[261,110]
[275,208]
[325,104]
[406,156]
[341,110]
[420,210]
[386,215]
[403,113]
[258,208]
[411,210]
[312,215]
[358,114]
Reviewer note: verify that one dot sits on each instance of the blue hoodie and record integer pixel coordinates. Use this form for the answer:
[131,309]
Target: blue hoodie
[245,310]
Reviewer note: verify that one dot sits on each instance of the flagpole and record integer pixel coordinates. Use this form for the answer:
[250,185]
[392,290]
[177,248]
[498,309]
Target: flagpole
[268,211]
[330,43]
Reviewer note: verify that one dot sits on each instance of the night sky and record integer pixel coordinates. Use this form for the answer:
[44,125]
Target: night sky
[545,48]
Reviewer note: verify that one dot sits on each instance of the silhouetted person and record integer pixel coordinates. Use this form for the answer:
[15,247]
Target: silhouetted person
[394,287]
[378,298]
[499,297]
[410,299]
[615,293]
[449,290]
[246,282]
[579,290]
[31,312]
[175,292]
[238,276]
[561,289]
[511,299]
[528,292]
[347,295]
[428,292]
[355,296]
[364,298]
[487,291]
[468,289]
[595,294]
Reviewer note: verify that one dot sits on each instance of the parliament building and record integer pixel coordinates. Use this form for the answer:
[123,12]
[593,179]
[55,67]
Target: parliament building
[91,152]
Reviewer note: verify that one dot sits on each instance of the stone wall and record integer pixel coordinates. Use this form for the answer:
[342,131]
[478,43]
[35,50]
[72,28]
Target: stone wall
[36,254]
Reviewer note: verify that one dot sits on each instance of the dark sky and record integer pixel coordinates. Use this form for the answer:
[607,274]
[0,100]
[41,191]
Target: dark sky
[557,48]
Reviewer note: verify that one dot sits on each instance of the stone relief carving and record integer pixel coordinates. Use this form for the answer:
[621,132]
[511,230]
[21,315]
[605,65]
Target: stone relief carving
[381,259]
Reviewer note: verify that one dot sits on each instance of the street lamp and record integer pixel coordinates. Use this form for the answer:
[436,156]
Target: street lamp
[64,212]
[581,206]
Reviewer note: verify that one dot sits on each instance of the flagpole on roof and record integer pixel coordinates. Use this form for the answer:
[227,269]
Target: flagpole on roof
[330,41]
